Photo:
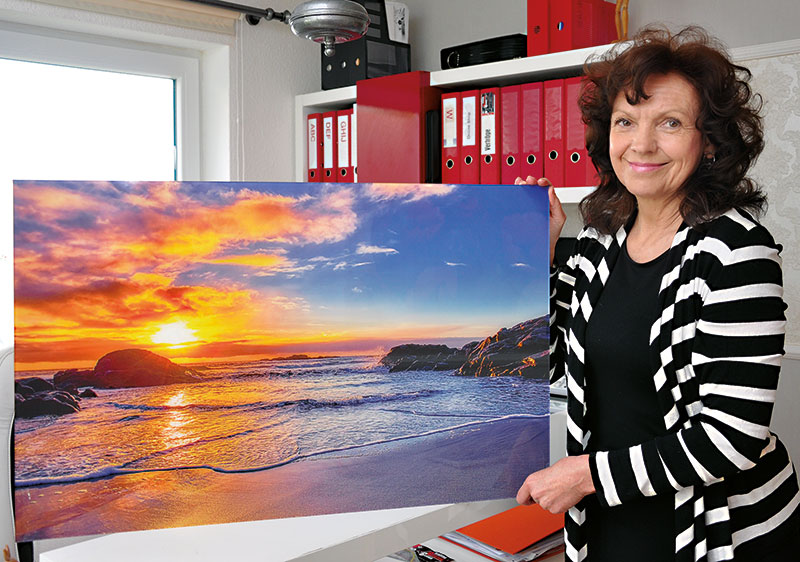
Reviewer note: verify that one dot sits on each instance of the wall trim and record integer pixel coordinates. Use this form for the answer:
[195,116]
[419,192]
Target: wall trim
[765,50]
[792,352]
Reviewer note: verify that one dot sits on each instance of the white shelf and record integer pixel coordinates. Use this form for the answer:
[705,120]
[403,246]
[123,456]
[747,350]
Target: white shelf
[514,71]
[529,69]
[573,194]
[328,98]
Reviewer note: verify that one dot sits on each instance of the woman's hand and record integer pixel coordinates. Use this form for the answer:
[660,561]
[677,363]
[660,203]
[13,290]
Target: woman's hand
[559,487]
[557,215]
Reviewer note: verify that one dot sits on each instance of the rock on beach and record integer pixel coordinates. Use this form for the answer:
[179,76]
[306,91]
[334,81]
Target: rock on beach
[125,368]
[521,350]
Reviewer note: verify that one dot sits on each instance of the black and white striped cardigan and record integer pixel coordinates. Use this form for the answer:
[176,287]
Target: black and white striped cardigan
[715,355]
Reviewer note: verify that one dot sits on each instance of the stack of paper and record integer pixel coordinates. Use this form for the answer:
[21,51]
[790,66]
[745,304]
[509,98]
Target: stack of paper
[520,534]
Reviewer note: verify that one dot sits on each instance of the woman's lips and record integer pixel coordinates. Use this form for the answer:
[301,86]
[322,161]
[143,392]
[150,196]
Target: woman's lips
[644,166]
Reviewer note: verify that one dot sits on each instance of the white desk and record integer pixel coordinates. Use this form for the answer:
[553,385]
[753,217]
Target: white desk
[363,536]
[461,554]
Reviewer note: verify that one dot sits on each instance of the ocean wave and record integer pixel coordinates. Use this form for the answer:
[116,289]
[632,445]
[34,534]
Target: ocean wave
[302,403]
[112,471]
[439,414]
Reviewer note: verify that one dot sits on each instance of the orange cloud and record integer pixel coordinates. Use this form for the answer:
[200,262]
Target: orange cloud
[267,261]
[409,192]
[105,269]
[164,229]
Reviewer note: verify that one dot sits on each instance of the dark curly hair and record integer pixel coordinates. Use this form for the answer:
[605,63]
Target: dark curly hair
[729,118]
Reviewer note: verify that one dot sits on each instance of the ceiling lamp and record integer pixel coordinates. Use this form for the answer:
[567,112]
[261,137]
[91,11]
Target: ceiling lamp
[322,21]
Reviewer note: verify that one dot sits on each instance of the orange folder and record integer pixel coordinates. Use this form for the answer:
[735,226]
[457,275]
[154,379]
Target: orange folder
[468,140]
[491,125]
[538,27]
[345,164]
[570,25]
[604,20]
[511,131]
[392,127]
[314,147]
[554,131]
[532,115]
[329,147]
[574,136]
[515,529]
[451,170]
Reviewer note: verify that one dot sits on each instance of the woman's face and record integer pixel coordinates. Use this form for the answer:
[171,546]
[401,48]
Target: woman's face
[655,145]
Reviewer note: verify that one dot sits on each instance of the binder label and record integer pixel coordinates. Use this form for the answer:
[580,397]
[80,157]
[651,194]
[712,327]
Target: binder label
[312,144]
[449,123]
[344,141]
[354,137]
[468,122]
[488,130]
[327,145]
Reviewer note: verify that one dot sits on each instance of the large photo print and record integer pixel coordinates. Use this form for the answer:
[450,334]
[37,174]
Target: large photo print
[191,353]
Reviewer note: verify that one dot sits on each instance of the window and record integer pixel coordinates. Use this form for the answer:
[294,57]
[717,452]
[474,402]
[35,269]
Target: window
[81,107]
[66,123]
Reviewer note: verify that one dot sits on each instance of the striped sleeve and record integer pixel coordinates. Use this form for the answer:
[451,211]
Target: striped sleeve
[726,385]
[561,288]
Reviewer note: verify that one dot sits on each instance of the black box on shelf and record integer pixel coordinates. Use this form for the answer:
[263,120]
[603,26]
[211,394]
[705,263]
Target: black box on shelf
[372,56]
[488,50]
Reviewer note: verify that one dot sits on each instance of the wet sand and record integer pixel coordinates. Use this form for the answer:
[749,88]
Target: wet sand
[486,461]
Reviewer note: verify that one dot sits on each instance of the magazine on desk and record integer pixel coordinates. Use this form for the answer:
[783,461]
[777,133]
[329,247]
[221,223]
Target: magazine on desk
[518,534]
[542,548]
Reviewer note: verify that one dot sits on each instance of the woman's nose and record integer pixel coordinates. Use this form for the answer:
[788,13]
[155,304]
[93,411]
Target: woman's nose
[644,139]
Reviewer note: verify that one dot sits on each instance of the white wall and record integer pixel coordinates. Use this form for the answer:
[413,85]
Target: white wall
[437,24]
[275,67]
[786,415]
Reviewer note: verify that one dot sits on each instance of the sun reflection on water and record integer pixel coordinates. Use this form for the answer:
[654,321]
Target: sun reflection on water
[175,432]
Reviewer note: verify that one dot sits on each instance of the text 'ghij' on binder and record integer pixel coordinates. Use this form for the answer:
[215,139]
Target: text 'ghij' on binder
[332,146]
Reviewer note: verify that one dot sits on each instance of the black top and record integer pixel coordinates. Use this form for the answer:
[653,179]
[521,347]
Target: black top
[622,409]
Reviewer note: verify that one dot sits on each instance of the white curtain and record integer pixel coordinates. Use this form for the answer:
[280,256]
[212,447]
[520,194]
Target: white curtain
[173,12]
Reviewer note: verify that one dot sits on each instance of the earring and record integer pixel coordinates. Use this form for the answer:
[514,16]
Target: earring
[708,159]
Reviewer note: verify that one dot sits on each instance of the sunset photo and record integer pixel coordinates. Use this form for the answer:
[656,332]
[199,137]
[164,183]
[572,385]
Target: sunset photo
[247,343]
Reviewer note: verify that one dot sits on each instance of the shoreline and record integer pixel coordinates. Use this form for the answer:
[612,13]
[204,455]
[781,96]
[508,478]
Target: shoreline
[497,455]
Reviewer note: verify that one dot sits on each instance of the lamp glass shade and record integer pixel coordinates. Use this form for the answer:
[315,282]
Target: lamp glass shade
[329,21]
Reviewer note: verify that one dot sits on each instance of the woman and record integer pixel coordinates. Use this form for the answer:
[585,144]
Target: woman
[668,321]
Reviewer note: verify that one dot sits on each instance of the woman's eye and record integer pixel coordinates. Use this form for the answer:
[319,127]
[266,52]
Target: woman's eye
[672,123]
[622,122]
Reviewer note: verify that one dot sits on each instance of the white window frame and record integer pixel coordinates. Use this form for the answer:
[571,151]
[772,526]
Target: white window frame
[42,45]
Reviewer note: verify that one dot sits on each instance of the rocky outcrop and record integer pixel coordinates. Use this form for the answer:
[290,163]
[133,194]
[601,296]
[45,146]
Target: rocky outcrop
[35,396]
[73,378]
[521,350]
[32,385]
[423,357]
[137,367]
[301,357]
[126,368]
